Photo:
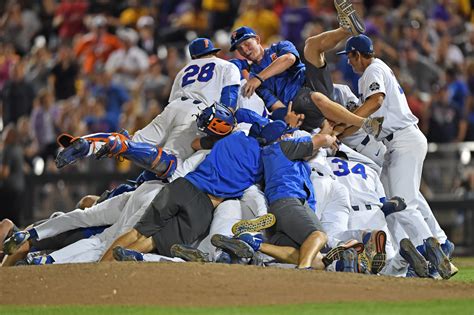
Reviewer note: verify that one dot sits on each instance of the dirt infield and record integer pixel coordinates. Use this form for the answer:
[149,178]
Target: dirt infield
[194,284]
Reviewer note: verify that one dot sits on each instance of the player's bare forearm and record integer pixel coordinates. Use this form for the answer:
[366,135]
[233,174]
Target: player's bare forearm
[370,106]
[278,66]
[347,132]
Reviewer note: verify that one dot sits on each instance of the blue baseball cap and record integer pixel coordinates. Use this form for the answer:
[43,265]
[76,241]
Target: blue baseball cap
[239,35]
[360,43]
[201,47]
[271,131]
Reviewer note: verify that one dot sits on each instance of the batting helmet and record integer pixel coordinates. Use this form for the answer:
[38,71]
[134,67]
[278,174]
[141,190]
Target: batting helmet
[216,120]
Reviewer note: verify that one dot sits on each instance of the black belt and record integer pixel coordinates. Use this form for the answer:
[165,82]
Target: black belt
[184,98]
[390,136]
[365,141]
[356,208]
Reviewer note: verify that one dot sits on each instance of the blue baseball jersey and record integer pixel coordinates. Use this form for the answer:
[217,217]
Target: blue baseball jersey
[285,85]
[286,174]
[233,165]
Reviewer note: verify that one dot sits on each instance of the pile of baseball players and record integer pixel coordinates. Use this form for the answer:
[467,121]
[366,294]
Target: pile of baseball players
[264,161]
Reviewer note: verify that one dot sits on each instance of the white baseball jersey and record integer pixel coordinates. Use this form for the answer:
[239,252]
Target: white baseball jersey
[203,80]
[379,78]
[362,182]
[253,102]
[360,140]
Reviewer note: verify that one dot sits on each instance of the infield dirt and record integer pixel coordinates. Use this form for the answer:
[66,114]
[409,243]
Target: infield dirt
[193,284]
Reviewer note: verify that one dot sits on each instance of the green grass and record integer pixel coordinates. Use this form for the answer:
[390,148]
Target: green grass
[451,307]
[466,269]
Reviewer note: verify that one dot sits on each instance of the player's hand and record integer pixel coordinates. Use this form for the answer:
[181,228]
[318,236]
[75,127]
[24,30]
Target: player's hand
[250,87]
[293,119]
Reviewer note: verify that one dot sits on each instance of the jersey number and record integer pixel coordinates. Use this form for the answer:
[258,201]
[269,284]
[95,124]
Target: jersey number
[202,74]
[343,168]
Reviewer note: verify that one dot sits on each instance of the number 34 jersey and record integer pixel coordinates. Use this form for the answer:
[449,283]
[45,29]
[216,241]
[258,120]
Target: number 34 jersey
[362,182]
[203,80]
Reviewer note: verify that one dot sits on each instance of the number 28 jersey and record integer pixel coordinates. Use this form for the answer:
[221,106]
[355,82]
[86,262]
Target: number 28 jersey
[203,80]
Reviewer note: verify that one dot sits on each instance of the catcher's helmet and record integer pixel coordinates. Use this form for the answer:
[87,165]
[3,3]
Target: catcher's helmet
[216,120]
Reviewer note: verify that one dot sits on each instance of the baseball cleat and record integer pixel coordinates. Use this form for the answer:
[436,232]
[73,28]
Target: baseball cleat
[254,239]
[11,244]
[373,125]
[374,247]
[223,258]
[348,17]
[123,254]
[417,263]
[454,270]
[189,253]
[336,252]
[350,260]
[448,248]
[233,246]
[76,151]
[437,258]
[254,225]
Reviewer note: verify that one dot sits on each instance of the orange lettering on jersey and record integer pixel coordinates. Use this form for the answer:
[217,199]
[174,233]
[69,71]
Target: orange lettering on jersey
[274,56]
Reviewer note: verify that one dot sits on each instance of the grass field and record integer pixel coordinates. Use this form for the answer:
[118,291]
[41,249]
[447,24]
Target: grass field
[451,307]
[354,308]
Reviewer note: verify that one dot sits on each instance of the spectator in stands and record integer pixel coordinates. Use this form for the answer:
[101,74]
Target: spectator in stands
[64,74]
[127,64]
[39,65]
[17,95]
[445,118]
[113,95]
[155,85]
[12,179]
[68,18]
[293,19]
[255,15]
[97,45]
[146,31]
[19,25]
[133,12]
[7,59]
[457,87]
[43,124]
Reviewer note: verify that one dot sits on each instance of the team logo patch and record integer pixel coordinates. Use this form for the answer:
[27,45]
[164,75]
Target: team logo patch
[374,86]
[234,34]
[351,106]
[274,56]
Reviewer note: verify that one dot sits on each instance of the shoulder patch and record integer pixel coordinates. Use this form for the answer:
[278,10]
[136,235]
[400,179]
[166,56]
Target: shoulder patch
[374,86]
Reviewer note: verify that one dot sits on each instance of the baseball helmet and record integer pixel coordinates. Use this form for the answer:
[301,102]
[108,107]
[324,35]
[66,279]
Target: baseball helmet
[216,120]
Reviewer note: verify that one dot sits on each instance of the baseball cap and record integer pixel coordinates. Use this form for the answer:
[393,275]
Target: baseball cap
[273,131]
[239,35]
[360,43]
[200,47]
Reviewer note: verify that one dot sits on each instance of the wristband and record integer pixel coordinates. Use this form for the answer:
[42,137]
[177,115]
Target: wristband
[259,78]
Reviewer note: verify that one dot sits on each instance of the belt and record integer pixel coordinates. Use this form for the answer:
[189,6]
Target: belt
[184,98]
[390,136]
[357,208]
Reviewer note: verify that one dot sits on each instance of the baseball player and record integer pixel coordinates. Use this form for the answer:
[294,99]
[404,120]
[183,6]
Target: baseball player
[289,192]
[166,141]
[360,141]
[174,218]
[279,75]
[382,95]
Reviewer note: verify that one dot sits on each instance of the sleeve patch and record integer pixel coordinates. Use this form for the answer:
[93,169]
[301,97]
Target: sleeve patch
[374,86]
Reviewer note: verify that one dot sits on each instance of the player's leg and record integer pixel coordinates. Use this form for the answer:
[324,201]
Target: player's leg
[317,45]
[430,219]
[225,215]
[133,240]
[299,223]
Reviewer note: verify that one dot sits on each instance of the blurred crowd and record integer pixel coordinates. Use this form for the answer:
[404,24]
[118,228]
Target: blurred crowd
[84,66]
